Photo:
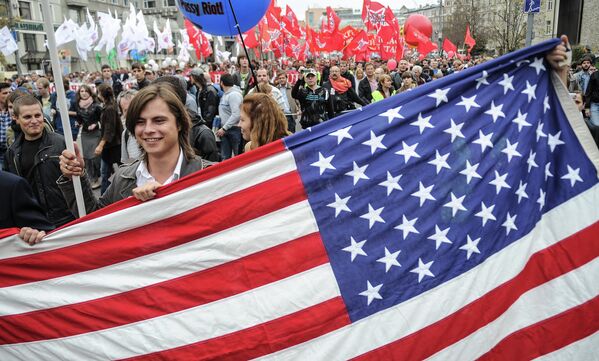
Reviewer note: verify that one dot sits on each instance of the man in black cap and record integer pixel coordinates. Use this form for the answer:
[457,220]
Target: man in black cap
[313,99]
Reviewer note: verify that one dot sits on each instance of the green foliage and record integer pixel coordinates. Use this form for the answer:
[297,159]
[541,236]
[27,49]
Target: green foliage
[577,53]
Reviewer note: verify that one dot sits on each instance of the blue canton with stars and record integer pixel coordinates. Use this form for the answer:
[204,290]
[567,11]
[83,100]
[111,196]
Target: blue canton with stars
[415,190]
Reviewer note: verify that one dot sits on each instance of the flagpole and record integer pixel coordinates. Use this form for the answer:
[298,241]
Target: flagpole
[61,99]
[243,43]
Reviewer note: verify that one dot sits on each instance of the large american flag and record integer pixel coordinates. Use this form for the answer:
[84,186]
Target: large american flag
[452,222]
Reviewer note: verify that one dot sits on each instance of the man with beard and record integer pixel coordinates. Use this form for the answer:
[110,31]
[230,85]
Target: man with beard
[342,94]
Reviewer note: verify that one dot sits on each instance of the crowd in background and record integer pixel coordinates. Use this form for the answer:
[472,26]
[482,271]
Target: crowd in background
[230,111]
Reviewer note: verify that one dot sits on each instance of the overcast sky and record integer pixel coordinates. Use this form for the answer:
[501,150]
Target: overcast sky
[300,6]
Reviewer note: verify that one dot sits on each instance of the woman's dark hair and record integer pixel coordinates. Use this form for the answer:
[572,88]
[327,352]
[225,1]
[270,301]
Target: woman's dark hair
[106,92]
[87,89]
[167,93]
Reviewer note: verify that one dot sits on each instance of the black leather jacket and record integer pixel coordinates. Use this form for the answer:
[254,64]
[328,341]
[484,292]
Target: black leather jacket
[45,172]
[122,185]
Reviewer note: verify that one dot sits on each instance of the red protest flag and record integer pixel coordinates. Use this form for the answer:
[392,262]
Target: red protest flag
[469,40]
[249,38]
[390,27]
[374,17]
[359,44]
[400,47]
[290,23]
[194,34]
[331,24]
[449,46]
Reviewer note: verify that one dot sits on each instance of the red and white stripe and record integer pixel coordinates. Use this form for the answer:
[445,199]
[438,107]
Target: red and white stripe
[229,264]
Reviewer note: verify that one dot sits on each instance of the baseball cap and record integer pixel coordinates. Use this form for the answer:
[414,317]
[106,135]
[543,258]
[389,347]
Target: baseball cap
[311,71]
[197,72]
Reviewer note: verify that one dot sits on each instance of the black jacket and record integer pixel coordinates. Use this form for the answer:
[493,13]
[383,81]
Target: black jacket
[18,206]
[315,104]
[44,174]
[592,94]
[207,100]
[203,142]
[364,91]
[122,185]
[343,102]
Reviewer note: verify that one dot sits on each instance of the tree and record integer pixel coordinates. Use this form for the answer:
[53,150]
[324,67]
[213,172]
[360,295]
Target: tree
[508,31]
[461,13]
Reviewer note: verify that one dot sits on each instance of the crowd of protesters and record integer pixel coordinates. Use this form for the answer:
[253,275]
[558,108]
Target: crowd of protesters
[140,128]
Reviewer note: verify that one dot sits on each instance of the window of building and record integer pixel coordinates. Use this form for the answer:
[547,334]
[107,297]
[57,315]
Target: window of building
[116,2]
[149,4]
[25,10]
[169,3]
[29,40]
[549,5]
[125,2]
[74,15]
[548,27]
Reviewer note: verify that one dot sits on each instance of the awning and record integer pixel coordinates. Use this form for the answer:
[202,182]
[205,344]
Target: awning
[34,57]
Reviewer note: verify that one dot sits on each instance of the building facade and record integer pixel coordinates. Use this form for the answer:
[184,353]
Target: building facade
[25,20]
[575,18]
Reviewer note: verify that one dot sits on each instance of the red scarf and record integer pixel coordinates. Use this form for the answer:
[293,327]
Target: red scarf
[340,85]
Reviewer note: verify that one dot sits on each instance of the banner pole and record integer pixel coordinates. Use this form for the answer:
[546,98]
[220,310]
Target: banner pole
[244,47]
[61,99]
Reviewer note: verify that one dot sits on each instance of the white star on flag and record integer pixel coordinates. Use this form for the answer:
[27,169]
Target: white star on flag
[391,183]
[424,193]
[538,65]
[521,192]
[511,150]
[408,151]
[531,161]
[422,123]
[440,161]
[495,111]
[506,83]
[340,204]
[499,182]
[573,175]
[390,259]
[440,95]
[553,140]
[391,114]
[510,223]
[440,237]
[471,246]
[372,292]
[530,91]
[423,269]
[470,172]
[342,134]
[469,103]
[546,105]
[375,142]
[541,199]
[355,248]
[521,121]
[358,173]
[455,130]
[407,226]
[373,216]
[539,132]
[547,171]
[486,213]
[482,80]
[484,140]
[323,163]
[456,204]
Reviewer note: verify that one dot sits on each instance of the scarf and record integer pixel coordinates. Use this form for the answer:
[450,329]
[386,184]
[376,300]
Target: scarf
[86,103]
[340,85]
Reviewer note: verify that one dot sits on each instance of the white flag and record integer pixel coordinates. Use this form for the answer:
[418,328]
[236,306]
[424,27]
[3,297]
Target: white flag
[7,42]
